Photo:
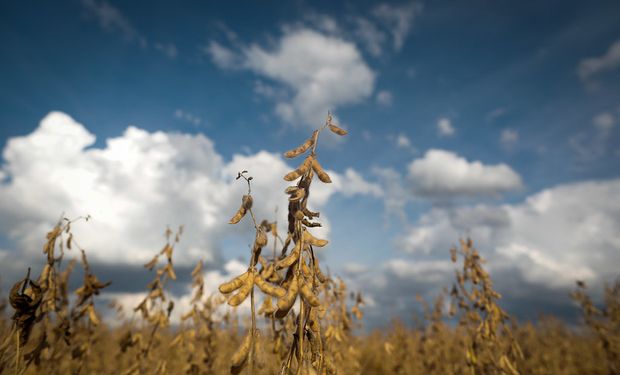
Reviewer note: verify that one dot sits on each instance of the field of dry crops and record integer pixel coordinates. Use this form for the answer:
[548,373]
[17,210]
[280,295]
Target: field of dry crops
[301,321]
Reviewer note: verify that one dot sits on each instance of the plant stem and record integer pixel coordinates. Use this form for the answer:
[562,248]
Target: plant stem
[17,354]
[252,340]
[301,335]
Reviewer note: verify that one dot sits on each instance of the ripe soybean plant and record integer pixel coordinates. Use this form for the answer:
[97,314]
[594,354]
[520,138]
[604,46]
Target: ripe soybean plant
[295,273]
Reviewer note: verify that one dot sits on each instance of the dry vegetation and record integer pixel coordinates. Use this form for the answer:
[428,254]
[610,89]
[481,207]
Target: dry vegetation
[300,320]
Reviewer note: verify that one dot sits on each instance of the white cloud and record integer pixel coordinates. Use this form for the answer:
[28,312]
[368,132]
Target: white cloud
[323,72]
[509,138]
[440,228]
[317,72]
[398,20]
[445,128]
[443,174]
[135,186]
[536,267]
[535,250]
[552,238]
[223,57]
[594,66]
[352,183]
[385,98]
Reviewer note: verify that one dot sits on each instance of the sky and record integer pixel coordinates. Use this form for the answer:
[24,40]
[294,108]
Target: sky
[495,120]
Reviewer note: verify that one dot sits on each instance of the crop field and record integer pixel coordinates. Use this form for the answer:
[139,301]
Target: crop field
[383,187]
[302,320]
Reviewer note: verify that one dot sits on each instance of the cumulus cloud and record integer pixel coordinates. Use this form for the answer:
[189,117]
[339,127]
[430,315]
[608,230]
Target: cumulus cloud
[135,186]
[553,237]
[594,66]
[318,62]
[314,72]
[445,128]
[441,174]
[136,176]
[323,72]
[535,250]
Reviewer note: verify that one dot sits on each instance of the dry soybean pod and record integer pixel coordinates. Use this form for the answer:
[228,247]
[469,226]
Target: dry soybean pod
[241,355]
[285,303]
[300,171]
[337,130]
[234,284]
[308,296]
[289,259]
[324,177]
[272,290]
[245,289]
[301,148]
[309,238]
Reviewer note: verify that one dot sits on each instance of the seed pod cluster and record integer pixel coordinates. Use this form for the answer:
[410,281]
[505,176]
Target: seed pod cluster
[25,297]
[300,265]
[153,308]
[295,273]
[484,320]
[90,288]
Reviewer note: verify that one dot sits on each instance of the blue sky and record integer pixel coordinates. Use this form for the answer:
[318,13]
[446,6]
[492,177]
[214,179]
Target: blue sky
[490,119]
